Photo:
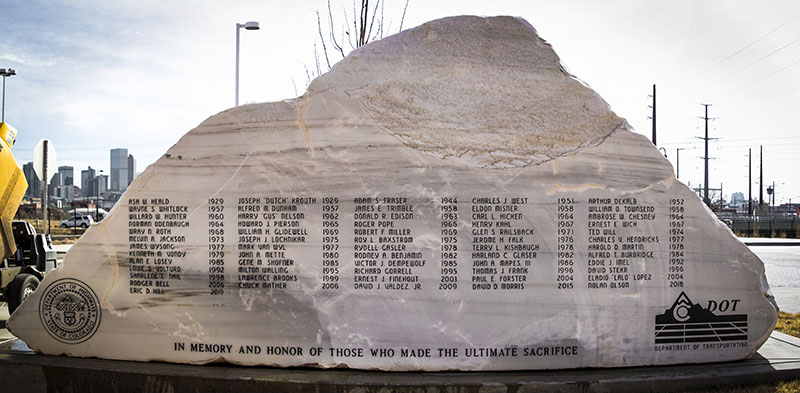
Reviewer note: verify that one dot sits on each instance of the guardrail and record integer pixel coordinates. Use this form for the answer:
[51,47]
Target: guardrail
[64,237]
[765,226]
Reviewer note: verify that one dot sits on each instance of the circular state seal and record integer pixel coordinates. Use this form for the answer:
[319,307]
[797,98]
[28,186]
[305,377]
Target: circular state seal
[70,311]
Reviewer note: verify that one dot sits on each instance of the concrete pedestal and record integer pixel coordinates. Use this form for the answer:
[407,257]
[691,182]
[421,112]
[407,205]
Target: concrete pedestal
[24,371]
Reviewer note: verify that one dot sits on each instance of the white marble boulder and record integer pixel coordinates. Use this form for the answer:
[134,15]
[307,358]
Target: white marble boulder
[447,198]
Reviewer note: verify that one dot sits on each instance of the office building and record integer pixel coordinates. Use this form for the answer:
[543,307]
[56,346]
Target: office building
[119,169]
[34,184]
[67,176]
[67,192]
[131,169]
[101,184]
[53,186]
[87,182]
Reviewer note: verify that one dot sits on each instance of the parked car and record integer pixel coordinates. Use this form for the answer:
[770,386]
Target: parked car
[77,221]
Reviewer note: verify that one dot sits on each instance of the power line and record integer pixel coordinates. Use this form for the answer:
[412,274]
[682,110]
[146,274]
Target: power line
[693,145]
[761,139]
[757,61]
[690,140]
[767,76]
[751,44]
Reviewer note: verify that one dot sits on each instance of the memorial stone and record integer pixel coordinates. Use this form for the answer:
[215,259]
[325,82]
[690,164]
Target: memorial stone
[447,198]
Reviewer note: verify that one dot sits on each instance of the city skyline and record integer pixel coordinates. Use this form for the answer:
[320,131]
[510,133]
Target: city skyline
[87,182]
[141,78]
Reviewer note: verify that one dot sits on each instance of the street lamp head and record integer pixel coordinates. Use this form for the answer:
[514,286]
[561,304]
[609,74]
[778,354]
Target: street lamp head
[7,72]
[251,25]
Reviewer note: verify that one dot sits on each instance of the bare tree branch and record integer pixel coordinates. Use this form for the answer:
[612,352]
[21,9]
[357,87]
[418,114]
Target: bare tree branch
[347,24]
[336,45]
[368,36]
[308,75]
[364,29]
[380,22]
[403,18]
[322,39]
[316,60]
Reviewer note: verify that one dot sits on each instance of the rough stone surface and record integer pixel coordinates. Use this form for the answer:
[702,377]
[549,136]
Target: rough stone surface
[448,198]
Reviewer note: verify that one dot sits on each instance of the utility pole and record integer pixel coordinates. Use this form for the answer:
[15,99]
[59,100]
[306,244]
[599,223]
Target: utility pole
[678,161]
[761,179]
[654,115]
[5,73]
[44,193]
[705,158]
[750,182]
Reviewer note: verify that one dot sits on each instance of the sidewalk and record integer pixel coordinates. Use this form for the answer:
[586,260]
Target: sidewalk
[769,241]
[788,299]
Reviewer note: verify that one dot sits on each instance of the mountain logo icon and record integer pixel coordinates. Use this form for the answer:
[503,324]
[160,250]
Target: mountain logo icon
[689,322]
[681,308]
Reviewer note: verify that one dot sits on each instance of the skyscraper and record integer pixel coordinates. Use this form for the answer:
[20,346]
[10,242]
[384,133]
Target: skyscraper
[131,169]
[119,169]
[55,184]
[67,175]
[34,184]
[87,182]
[101,184]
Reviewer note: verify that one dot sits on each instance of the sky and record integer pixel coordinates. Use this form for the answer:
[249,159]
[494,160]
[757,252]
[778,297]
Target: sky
[93,75]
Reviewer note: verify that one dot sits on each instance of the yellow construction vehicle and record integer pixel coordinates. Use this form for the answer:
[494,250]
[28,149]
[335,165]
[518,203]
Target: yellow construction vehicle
[25,255]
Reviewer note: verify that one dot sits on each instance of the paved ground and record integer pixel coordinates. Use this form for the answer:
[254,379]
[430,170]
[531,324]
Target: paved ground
[788,299]
[782,266]
[5,335]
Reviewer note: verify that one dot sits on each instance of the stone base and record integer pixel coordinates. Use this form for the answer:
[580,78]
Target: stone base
[24,371]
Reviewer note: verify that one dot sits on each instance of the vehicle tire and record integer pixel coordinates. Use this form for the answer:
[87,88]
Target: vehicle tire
[63,225]
[84,226]
[19,289]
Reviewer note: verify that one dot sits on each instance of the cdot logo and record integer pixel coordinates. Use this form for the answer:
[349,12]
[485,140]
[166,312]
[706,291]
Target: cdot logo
[689,322]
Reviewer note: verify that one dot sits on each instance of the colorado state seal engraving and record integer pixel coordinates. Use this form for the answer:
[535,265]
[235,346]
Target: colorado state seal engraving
[70,311]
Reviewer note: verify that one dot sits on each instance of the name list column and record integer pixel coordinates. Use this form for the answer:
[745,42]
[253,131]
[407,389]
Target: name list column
[383,245]
[155,242]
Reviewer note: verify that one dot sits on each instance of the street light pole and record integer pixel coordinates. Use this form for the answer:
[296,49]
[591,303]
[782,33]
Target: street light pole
[5,73]
[770,190]
[97,195]
[773,196]
[248,26]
